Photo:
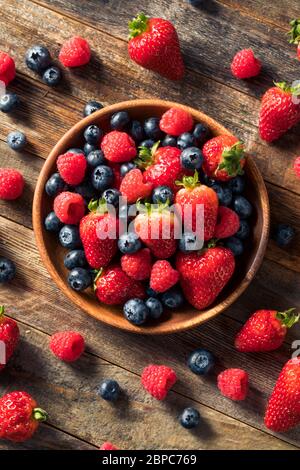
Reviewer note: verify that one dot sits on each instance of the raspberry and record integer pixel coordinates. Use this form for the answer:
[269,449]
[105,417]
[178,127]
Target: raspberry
[163,276]
[137,265]
[118,147]
[67,345]
[297,167]
[228,223]
[158,380]
[245,65]
[133,187]
[7,68]
[71,167]
[11,184]
[69,207]
[75,52]
[108,446]
[233,384]
[176,121]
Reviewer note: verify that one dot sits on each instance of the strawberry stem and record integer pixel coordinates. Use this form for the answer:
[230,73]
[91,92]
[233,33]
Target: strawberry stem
[99,206]
[138,25]
[288,318]
[98,275]
[39,415]
[294,32]
[293,90]
[2,308]
[231,159]
[189,182]
[146,155]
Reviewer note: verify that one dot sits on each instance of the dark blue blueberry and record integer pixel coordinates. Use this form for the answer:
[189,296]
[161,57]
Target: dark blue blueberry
[9,102]
[75,259]
[185,140]
[172,298]
[242,207]
[147,143]
[7,270]
[283,235]
[135,311]
[137,131]
[92,134]
[119,120]
[69,237]
[201,361]
[129,243]
[237,184]
[16,140]
[52,223]
[189,242]
[191,158]
[152,129]
[102,177]
[79,279]
[109,390]
[169,141]
[189,418]
[151,293]
[37,58]
[55,185]
[235,245]
[52,76]
[95,158]
[155,307]
[86,191]
[126,167]
[162,194]
[196,3]
[224,194]
[88,148]
[244,230]
[201,134]
[111,196]
[75,150]
[92,107]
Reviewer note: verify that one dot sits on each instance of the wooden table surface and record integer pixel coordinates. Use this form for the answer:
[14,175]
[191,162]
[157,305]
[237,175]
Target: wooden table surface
[210,36]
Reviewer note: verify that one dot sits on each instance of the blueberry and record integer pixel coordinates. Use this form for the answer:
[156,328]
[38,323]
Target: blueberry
[37,58]
[189,242]
[148,143]
[75,259]
[111,196]
[224,194]
[79,279]
[135,311]
[155,307]
[109,390]
[235,245]
[151,292]
[91,107]
[129,243]
[92,134]
[162,194]
[7,270]
[55,185]
[242,207]
[237,184]
[95,158]
[152,129]
[69,237]
[75,150]
[201,361]
[185,140]
[172,298]
[52,76]
[244,230]
[189,418]
[86,191]
[196,3]
[169,141]
[16,140]
[191,158]
[283,235]
[201,134]
[119,120]
[9,102]
[102,177]
[126,167]
[52,223]
[88,148]
[137,131]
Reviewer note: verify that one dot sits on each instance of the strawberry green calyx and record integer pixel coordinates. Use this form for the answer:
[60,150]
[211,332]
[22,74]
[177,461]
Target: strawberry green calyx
[99,206]
[293,90]
[231,159]
[149,208]
[138,25]
[98,273]
[212,243]
[39,415]
[288,318]
[294,32]
[2,308]
[145,158]
[189,182]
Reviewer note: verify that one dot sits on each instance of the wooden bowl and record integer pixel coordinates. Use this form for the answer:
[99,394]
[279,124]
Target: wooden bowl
[52,253]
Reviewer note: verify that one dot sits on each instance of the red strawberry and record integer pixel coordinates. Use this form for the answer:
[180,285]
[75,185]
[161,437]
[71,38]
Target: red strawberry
[75,52]
[163,276]
[234,384]
[69,207]
[118,147]
[280,110]
[265,330]
[245,64]
[154,45]
[108,446]
[228,223]
[9,336]
[137,265]
[98,233]
[204,275]
[158,380]
[297,167]
[295,35]
[224,157]
[190,198]
[283,409]
[19,416]
[11,184]
[113,286]
[71,167]
[176,121]
[67,345]
[7,68]
[133,187]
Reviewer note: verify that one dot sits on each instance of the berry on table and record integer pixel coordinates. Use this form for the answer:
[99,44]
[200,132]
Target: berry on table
[108,446]
[7,68]
[37,58]
[169,141]
[93,134]
[245,64]
[155,307]
[111,196]
[102,177]
[129,243]
[71,167]
[7,270]
[137,265]
[189,242]
[9,102]
[67,345]
[119,120]
[118,147]
[237,184]
[242,206]
[79,279]
[136,131]
[55,185]
[283,235]
[158,380]
[235,245]
[162,195]
[191,158]
[234,384]
[297,167]
[91,107]
[109,390]
[9,334]
[69,237]
[244,230]
[52,76]
[52,222]
[152,129]
[163,276]
[201,134]
[11,184]
[75,52]
[172,298]
[201,361]
[69,207]
[75,259]
[16,140]
[224,194]
[185,140]
[95,158]
[176,121]
[136,311]
[189,418]
[133,186]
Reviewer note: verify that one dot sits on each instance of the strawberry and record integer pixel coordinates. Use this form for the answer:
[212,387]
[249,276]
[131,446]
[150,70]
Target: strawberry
[118,147]
[204,275]
[7,68]
[295,34]
[228,223]
[72,167]
[265,330]
[224,157]
[234,384]
[9,336]
[245,64]
[137,265]
[154,44]
[192,196]
[69,207]
[133,187]
[75,52]
[11,184]
[158,380]
[280,110]
[297,167]
[67,345]
[283,409]
[176,121]
[19,416]
[163,276]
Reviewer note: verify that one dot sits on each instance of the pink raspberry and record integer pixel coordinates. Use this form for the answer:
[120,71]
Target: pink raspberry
[234,384]
[67,345]
[163,276]
[72,167]
[158,380]
[245,64]
[118,147]
[176,121]
[133,187]
[137,265]
[75,52]
[297,167]
[69,207]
